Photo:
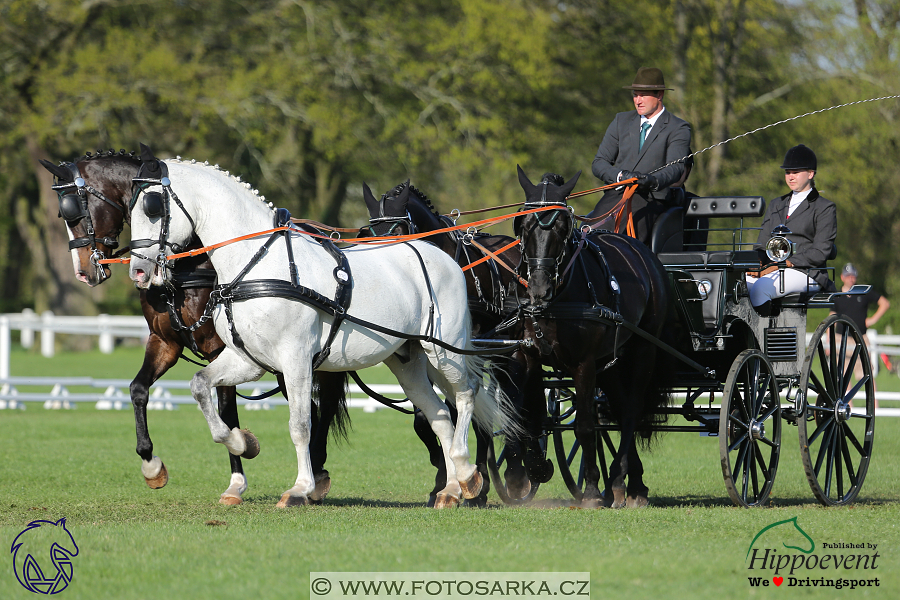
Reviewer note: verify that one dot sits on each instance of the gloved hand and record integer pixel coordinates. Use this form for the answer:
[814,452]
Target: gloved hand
[630,175]
[647,183]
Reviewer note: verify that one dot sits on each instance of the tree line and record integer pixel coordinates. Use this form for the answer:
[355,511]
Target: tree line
[308,99]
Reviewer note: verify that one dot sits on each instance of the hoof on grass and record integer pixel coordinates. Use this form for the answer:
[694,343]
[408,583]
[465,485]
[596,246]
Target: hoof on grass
[288,500]
[446,501]
[639,501]
[323,486]
[229,500]
[161,479]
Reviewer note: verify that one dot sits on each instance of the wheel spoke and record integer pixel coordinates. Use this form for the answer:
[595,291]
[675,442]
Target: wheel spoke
[573,452]
[822,392]
[823,447]
[848,460]
[738,442]
[734,419]
[819,430]
[852,393]
[751,466]
[848,373]
[827,368]
[851,436]
[760,459]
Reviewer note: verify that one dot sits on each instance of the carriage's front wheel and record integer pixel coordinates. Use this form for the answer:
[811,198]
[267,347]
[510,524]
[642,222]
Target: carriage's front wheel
[836,431]
[750,429]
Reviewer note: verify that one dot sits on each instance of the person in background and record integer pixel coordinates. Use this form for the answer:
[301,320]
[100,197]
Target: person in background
[646,144]
[812,221]
[856,308]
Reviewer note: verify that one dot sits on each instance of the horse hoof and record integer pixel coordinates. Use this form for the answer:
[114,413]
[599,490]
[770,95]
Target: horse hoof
[472,487]
[636,501]
[161,479]
[540,471]
[446,501]
[591,502]
[229,500]
[517,483]
[252,450]
[323,486]
[288,500]
[618,500]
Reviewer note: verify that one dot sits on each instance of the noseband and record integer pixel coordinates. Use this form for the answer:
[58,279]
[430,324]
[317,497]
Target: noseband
[73,207]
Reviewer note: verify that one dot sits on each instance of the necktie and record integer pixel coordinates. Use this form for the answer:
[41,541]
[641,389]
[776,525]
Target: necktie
[644,129]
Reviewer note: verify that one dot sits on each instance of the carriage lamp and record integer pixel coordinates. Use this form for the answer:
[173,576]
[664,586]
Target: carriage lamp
[779,248]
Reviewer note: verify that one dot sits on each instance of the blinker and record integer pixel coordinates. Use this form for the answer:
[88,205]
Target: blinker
[70,208]
[153,204]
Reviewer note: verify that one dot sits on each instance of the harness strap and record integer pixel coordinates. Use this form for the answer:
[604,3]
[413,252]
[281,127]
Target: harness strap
[378,397]
[488,255]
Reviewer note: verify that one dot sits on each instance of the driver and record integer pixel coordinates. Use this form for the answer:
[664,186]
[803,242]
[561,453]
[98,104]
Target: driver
[812,221]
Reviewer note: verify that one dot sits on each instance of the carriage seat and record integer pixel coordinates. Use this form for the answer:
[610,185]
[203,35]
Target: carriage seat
[668,230]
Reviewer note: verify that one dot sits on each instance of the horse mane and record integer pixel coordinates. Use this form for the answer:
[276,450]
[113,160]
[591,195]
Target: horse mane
[395,191]
[108,154]
[234,178]
[557,180]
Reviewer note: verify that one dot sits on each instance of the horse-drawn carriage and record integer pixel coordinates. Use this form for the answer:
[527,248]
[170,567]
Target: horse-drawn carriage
[618,310]
[739,375]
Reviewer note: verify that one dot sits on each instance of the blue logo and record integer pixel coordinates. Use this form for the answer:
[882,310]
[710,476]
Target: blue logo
[35,571]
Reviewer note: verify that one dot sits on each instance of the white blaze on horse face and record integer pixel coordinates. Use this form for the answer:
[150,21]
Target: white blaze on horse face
[80,274]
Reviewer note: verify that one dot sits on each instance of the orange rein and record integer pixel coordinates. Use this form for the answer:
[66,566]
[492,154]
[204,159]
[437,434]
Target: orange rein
[393,239]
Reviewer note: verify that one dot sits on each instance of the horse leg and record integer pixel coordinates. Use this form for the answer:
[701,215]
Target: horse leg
[228,412]
[228,369]
[332,411]
[298,385]
[637,491]
[413,378]
[586,431]
[534,408]
[159,356]
[435,455]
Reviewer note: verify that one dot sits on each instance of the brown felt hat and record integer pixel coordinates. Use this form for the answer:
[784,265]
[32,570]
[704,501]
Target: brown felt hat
[648,79]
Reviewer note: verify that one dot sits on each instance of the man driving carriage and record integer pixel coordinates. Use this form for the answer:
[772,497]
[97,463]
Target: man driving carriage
[812,221]
[637,144]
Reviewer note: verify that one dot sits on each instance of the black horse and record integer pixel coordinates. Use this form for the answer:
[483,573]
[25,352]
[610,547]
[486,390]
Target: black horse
[579,287]
[494,291]
[96,209]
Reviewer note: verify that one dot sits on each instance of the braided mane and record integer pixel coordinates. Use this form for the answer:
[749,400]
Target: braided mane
[395,191]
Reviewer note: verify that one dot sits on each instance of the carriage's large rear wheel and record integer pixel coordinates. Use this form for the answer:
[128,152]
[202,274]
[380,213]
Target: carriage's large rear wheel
[750,429]
[569,457]
[835,436]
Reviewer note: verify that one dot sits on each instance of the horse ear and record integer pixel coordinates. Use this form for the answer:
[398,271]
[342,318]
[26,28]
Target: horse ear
[524,181]
[371,202]
[568,186]
[146,153]
[395,206]
[61,173]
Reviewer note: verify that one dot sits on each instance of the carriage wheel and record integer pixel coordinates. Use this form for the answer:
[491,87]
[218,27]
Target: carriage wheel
[568,451]
[835,437]
[494,464]
[750,429]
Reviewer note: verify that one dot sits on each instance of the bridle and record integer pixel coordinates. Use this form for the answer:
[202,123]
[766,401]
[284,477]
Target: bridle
[549,265]
[73,208]
[394,221]
[156,204]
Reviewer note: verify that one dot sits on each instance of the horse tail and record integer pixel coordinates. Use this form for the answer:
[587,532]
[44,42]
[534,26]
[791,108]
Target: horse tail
[329,392]
[494,411]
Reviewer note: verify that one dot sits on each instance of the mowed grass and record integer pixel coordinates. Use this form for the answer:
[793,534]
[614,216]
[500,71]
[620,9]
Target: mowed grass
[141,543]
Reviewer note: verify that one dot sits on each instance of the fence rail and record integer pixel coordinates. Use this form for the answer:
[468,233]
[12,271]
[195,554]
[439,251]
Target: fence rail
[115,392]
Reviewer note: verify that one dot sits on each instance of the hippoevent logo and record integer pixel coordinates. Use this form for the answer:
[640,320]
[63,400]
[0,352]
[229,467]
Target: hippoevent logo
[784,554]
[42,556]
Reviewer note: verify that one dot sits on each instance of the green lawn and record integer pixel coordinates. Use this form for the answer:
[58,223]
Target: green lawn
[141,543]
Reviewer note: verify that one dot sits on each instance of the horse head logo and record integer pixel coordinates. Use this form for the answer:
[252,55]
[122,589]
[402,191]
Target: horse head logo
[787,531]
[32,545]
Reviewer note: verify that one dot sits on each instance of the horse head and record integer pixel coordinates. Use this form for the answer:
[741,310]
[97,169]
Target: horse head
[544,236]
[156,229]
[94,192]
[389,216]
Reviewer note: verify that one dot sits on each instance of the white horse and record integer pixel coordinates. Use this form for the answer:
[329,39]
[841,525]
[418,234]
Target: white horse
[389,288]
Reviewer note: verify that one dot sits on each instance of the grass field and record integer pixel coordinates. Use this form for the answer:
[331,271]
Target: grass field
[140,543]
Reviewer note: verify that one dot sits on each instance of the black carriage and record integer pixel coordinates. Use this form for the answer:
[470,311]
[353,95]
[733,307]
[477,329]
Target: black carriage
[741,376]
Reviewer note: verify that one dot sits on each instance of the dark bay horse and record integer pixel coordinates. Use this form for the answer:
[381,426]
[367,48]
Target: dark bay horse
[96,209]
[494,291]
[574,285]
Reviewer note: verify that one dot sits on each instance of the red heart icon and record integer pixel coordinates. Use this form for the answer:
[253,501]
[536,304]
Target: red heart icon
[778,580]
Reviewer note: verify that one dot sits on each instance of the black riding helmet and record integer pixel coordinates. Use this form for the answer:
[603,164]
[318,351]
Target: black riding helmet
[799,158]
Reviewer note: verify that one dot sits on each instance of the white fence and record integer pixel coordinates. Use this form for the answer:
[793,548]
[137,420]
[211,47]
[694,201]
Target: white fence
[169,394]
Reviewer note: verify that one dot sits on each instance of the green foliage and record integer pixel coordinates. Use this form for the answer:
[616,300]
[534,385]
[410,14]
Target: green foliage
[307,100]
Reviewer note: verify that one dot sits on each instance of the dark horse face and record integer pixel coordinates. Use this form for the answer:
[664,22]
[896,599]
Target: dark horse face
[544,235]
[389,216]
[93,200]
